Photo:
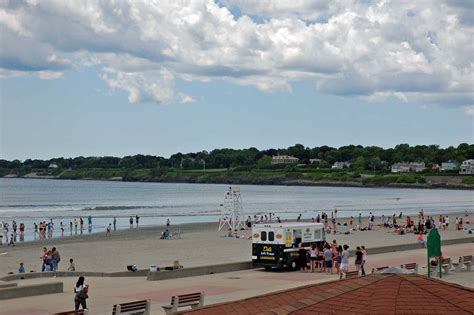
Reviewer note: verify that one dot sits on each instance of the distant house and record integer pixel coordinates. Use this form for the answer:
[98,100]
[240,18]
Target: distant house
[284,159]
[400,168]
[314,161]
[417,166]
[340,165]
[449,166]
[435,166]
[467,167]
[408,167]
[53,165]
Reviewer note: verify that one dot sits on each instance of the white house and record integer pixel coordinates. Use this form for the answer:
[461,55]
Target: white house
[284,159]
[449,166]
[408,167]
[417,166]
[400,168]
[340,165]
[314,161]
[467,167]
[53,165]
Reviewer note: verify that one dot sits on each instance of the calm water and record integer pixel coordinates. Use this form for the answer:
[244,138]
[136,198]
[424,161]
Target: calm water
[32,200]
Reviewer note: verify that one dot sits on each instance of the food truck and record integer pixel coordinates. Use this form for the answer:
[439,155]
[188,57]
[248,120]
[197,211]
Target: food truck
[275,245]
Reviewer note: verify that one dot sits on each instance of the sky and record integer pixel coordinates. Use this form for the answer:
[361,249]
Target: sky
[95,78]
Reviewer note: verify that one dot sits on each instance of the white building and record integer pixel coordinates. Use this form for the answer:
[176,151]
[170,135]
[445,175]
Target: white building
[53,165]
[284,159]
[417,166]
[408,167]
[450,166]
[340,165]
[314,161]
[400,168]
[467,167]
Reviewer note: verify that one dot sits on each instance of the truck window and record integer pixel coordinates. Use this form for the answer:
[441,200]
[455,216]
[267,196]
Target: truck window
[297,236]
[271,236]
[317,234]
[263,236]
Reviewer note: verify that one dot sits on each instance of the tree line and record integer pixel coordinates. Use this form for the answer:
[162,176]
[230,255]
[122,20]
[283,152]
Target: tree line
[369,157]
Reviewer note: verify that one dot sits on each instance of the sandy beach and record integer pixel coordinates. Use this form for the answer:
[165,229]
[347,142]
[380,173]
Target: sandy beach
[200,244]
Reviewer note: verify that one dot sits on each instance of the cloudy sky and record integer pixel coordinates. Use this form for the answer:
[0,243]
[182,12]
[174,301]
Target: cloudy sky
[158,77]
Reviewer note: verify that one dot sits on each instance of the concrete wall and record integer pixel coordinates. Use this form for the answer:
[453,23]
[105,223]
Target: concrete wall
[32,275]
[31,290]
[8,285]
[199,271]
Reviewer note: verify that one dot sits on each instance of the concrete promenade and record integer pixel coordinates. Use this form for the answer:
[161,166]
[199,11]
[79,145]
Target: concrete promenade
[222,287]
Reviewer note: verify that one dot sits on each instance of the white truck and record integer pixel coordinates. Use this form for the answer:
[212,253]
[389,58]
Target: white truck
[275,245]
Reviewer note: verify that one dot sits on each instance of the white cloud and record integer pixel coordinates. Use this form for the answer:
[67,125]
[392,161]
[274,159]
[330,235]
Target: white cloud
[415,51]
[469,110]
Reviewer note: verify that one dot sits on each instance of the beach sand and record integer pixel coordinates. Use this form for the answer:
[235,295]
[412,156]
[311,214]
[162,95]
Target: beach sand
[200,244]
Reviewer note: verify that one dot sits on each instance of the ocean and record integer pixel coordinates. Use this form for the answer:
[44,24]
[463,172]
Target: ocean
[34,200]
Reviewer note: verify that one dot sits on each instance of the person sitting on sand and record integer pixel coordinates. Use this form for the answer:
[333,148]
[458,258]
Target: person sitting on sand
[21,269]
[165,234]
[72,266]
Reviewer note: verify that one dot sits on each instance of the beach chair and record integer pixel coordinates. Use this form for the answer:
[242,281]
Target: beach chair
[411,266]
[378,269]
[349,275]
[193,299]
[137,307]
[465,261]
[446,265]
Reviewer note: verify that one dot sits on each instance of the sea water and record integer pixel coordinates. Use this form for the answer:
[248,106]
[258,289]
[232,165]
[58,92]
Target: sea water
[35,200]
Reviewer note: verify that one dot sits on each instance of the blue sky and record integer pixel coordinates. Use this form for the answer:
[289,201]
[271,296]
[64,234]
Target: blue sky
[265,81]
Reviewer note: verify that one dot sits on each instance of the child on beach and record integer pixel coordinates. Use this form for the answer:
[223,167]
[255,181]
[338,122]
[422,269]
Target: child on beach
[72,266]
[21,269]
[109,228]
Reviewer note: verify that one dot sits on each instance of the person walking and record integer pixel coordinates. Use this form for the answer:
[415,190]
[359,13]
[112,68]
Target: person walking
[81,291]
[115,223]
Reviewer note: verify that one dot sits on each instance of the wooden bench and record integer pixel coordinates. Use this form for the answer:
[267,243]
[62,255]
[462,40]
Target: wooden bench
[349,275]
[137,307]
[193,299]
[446,265]
[465,261]
[378,269]
[78,312]
[411,266]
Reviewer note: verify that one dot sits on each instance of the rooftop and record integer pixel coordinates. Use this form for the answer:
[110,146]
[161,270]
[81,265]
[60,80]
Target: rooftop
[374,294]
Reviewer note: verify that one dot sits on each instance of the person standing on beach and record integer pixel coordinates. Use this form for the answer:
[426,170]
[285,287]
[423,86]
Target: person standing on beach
[302,258]
[328,259]
[446,220]
[75,225]
[360,218]
[168,222]
[55,259]
[109,228]
[70,227]
[89,221]
[115,223]
[62,228]
[313,256]
[131,222]
[136,219]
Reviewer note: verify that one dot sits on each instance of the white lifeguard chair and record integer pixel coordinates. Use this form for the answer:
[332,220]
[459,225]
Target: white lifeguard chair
[232,210]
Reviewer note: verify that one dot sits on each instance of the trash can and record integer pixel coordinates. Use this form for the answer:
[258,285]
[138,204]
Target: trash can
[153,268]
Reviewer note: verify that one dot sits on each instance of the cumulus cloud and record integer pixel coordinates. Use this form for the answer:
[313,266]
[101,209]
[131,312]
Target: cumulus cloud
[469,110]
[414,51]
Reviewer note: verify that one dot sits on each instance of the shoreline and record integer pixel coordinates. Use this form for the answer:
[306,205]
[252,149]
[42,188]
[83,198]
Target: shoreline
[301,183]
[200,244]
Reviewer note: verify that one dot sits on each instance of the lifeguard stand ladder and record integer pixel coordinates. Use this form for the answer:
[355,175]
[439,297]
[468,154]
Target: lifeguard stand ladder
[232,210]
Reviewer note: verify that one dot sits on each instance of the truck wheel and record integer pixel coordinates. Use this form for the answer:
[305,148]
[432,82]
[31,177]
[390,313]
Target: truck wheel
[292,265]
